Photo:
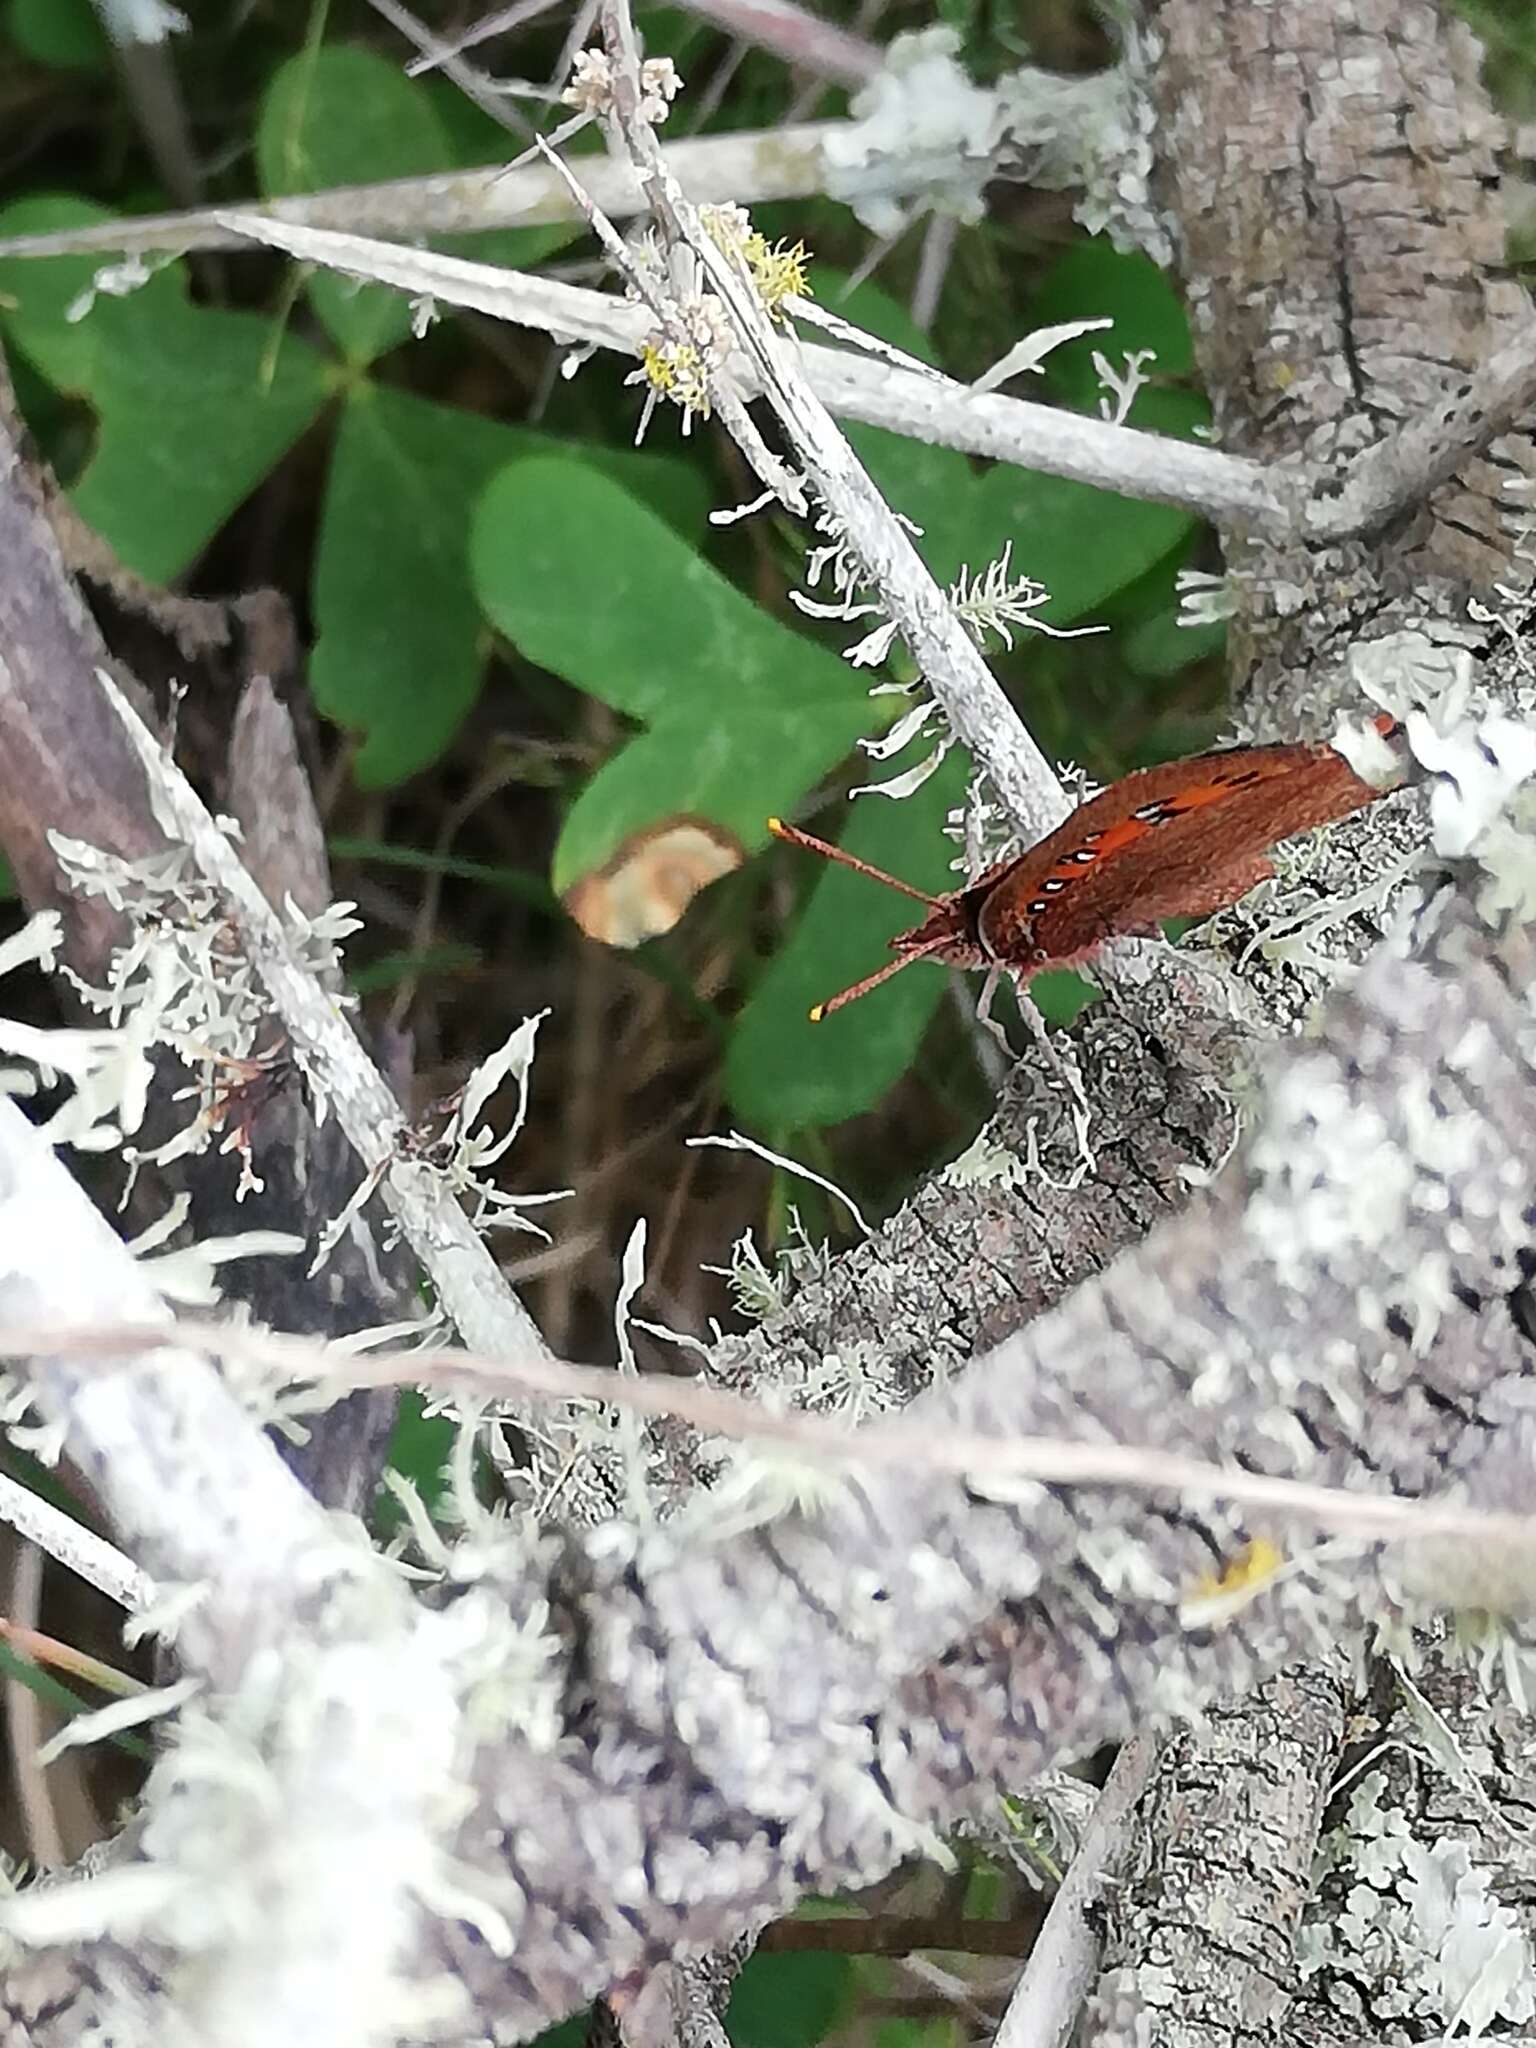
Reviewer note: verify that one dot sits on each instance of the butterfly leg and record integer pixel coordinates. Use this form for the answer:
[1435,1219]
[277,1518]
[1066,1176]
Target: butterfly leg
[984,1016]
[1062,1059]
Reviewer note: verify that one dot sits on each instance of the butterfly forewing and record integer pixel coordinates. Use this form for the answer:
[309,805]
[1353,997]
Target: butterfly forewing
[1173,841]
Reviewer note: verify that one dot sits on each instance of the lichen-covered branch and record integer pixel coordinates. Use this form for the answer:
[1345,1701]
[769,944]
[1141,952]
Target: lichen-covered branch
[748,1699]
[66,767]
[928,407]
[796,1680]
[468,1282]
[854,515]
[292,1629]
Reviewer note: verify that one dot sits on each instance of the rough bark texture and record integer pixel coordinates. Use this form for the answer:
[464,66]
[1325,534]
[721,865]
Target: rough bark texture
[1223,1864]
[1333,189]
[65,766]
[1331,184]
[708,1719]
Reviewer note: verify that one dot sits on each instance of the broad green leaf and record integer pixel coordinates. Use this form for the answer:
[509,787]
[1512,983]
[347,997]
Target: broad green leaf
[1082,544]
[589,583]
[788,2000]
[736,769]
[1160,646]
[1095,281]
[934,486]
[744,714]
[783,1072]
[333,115]
[194,404]
[930,2030]
[400,634]
[64,34]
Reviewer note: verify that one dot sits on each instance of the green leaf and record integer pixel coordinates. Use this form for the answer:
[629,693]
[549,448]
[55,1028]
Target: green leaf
[195,404]
[1159,646]
[569,2033]
[1082,544]
[737,770]
[1096,281]
[744,713]
[787,2000]
[400,646]
[587,582]
[339,116]
[932,2030]
[783,1072]
[419,1449]
[64,34]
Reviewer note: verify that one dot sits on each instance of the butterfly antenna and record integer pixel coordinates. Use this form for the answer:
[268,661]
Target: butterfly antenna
[795,837]
[862,988]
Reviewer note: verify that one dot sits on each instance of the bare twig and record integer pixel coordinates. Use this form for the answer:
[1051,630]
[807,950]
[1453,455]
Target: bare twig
[939,238]
[86,1554]
[797,36]
[472,83]
[925,405]
[785,163]
[499,23]
[899,1444]
[1061,1966]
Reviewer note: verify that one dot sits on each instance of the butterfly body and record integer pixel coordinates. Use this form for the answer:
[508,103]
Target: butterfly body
[1178,840]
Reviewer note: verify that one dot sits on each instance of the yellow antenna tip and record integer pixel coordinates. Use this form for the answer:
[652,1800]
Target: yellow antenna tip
[816,1012]
[776,826]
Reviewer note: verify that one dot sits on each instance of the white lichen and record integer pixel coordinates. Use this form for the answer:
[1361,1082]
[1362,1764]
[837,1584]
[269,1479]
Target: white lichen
[1421,1925]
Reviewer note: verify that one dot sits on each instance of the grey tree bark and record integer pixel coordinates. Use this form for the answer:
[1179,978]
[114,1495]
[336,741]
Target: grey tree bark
[677,1729]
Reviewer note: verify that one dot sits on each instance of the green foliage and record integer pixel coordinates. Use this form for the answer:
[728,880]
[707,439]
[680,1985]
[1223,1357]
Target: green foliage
[400,650]
[63,34]
[428,536]
[194,404]
[1085,546]
[439,525]
[339,116]
[741,715]
[570,2033]
[419,1449]
[1094,281]
[790,1999]
[785,1072]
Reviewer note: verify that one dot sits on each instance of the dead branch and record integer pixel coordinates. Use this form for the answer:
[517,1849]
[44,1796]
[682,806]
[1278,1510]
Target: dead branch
[468,1282]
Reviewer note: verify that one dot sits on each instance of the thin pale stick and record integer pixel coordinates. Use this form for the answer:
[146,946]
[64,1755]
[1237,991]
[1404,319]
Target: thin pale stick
[793,836]
[85,1553]
[919,1445]
[1059,1974]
